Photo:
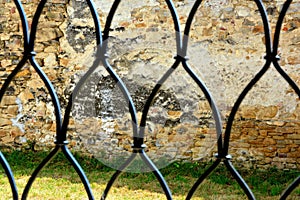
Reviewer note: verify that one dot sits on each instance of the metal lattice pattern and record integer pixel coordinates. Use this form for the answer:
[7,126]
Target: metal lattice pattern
[181,60]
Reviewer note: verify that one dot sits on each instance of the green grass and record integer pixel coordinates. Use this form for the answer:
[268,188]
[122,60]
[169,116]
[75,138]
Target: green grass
[60,181]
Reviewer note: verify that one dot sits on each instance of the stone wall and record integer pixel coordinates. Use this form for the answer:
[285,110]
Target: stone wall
[226,49]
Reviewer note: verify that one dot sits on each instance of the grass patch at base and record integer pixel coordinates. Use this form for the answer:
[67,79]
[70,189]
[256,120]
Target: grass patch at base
[59,180]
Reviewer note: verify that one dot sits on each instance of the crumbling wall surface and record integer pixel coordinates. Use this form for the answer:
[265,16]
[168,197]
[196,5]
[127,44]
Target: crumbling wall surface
[226,50]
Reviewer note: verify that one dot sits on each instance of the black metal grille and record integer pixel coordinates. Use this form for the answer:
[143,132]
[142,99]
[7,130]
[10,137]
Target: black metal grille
[181,60]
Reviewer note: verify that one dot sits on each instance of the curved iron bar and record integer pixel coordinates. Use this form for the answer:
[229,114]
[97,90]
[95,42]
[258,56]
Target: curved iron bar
[209,97]
[60,136]
[157,173]
[217,119]
[11,76]
[239,178]
[231,116]
[156,88]
[139,137]
[79,171]
[241,97]
[22,62]
[4,87]
[290,188]
[294,86]
[148,103]
[211,101]
[71,159]
[10,176]
[230,167]
[257,77]
[31,54]
[108,22]
[116,175]
[271,57]
[66,151]
[124,90]
[99,56]
[58,126]
[188,25]
[24,23]
[235,108]
[223,150]
[202,178]
[281,16]
[37,170]
[138,147]
[7,82]
[200,83]
[151,166]
[3,161]
[96,19]
[152,96]
[127,96]
[113,74]
[176,24]
[73,96]
[275,58]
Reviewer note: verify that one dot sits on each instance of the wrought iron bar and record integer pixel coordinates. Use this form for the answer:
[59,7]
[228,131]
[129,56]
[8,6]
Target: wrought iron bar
[37,170]
[238,178]
[290,188]
[138,132]
[116,175]
[10,176]
[138,147]
[202,178]
[256,78]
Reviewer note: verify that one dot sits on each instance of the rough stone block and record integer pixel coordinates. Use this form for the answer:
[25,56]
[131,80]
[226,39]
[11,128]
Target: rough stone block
[269,141]
[8,100]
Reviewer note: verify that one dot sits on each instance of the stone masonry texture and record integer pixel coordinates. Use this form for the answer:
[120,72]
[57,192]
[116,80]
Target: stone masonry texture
[226,50]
